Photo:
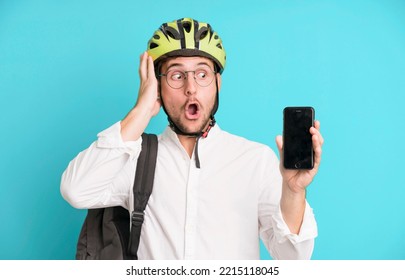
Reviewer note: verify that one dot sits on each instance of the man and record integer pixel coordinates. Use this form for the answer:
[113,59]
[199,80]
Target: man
[214,193]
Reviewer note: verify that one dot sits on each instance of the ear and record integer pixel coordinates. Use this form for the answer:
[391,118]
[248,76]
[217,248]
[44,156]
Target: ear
[219,81]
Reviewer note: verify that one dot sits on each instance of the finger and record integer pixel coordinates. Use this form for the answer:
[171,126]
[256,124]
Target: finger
[143,67]
[317,146]
[315,131]
[151,68]
[279,142]
[317,125]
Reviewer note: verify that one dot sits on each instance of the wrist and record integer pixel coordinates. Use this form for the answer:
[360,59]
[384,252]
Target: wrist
[293,193]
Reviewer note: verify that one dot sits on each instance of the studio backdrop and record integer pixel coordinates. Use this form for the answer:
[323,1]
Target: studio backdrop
[69,69]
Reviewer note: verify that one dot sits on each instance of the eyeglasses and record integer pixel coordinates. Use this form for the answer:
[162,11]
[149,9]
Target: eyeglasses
[176,78]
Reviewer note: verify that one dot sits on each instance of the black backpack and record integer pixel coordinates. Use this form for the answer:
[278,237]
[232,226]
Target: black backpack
[105,233]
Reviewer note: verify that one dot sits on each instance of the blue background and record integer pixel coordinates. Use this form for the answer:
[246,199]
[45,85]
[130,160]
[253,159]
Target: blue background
[69,69]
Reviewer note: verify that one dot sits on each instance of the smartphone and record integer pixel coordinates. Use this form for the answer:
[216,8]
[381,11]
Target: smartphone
[298,150]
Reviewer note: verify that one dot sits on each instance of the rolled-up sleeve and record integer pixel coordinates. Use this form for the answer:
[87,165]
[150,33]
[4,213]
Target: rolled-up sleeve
[308,228]
[102,175]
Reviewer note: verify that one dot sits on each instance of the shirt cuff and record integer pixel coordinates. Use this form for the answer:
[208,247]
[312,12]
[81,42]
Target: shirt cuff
[110,138]
[308,230]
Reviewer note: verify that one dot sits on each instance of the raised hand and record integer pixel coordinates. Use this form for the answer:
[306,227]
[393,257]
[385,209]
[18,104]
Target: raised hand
[148,95]
[147,104]
[298,180]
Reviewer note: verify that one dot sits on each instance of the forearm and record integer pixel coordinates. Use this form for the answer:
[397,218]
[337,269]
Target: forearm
[292,206]
[135,123]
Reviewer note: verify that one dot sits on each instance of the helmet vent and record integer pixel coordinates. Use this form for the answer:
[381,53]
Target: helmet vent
[172,33]
[153,45]
[219,46]
[157,37]
[201,34]
[187,26]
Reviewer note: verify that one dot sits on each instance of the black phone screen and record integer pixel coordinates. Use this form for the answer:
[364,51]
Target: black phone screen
[298,150]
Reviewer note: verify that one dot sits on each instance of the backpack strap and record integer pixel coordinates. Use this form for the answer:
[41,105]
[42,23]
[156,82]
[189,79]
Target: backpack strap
[145,173]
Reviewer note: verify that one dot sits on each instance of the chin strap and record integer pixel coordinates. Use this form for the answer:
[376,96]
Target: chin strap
[203,135]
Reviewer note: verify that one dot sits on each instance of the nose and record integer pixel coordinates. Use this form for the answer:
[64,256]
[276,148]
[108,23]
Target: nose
[190,84]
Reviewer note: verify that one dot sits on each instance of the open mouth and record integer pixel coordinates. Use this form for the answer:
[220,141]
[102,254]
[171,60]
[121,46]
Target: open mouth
[192,110]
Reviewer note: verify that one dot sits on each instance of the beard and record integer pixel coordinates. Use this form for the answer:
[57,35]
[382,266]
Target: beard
[191,129]
[197,126]
[188,130]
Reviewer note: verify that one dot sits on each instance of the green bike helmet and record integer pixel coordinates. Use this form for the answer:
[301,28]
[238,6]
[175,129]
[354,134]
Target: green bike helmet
[187,37]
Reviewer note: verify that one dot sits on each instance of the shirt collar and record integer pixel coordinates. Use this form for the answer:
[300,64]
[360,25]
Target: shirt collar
[169,134]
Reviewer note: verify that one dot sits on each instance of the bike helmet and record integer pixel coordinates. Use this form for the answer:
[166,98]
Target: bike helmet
[187,37]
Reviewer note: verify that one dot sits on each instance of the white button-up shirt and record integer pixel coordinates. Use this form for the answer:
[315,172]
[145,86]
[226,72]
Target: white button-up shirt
[218,211]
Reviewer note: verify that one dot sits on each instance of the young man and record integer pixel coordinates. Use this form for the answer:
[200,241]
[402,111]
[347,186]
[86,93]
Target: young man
[214,193]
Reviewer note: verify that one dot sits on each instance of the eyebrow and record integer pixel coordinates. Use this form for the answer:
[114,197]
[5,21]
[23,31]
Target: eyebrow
[179,64]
